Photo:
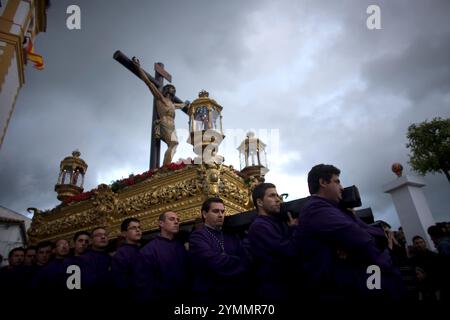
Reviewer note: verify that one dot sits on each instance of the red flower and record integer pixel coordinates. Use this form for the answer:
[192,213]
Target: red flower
[131,180]
[79,197]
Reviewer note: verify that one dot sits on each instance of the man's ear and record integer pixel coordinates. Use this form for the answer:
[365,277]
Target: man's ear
[259,203]
[124,234]
[322,182]
[203,215]
[161,223]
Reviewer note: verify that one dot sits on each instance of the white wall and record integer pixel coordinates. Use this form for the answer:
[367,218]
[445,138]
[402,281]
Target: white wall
[10,238]
[8,94]
[7,213]
[10,232]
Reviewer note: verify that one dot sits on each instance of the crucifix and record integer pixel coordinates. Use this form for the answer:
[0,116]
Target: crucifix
[164,104]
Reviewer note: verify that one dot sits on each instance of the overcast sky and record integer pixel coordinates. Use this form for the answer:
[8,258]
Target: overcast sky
[308,77]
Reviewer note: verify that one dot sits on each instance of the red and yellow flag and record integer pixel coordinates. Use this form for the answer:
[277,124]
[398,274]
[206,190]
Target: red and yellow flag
[34,57]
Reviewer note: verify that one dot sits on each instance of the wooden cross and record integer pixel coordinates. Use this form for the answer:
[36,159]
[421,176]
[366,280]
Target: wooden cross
[158,81]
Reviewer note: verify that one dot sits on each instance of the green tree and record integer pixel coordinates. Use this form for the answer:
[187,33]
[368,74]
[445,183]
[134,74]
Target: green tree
[430,146]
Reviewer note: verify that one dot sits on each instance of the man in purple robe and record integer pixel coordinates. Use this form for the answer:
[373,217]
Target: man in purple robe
[15,258]
[95,264]
[271,246]
[220,263]
[43,256]
[81,241]
[337,248]
[166,261]
[52,277]
[30,256]
[10,275]
[125,264]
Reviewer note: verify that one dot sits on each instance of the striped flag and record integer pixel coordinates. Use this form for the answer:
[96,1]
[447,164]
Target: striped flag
[34,57]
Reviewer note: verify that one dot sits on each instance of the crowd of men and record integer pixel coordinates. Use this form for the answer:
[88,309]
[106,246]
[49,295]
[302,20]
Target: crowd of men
[323,255]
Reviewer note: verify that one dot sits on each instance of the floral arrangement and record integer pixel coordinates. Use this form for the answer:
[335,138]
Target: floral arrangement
[131,180]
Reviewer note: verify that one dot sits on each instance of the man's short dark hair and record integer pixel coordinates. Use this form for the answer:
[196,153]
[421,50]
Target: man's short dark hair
[95,229]
[383,224]
[435,232]
[320,171]
[15,250]
[30,248]
[126,223]
[417,237]
[259,191]
[45,244]
[207,204]
[80,233]
[61,239]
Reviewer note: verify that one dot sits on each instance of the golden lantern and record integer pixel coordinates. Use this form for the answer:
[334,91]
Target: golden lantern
[205,128]
[253,159]
[71,176]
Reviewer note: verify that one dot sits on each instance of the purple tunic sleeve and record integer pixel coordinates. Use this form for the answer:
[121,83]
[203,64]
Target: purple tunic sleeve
[121,269]
[265,239]
[95,270]
[333,225]
[204,254]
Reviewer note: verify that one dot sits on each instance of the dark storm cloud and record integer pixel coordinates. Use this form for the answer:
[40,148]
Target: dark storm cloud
[420,70]
[84,99]
[362,130]
[338,92]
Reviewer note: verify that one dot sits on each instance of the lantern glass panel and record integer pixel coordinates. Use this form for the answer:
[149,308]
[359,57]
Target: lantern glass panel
[67,175]
[242,159]
[201,119]
[216,125]
[76,178]
[263,157]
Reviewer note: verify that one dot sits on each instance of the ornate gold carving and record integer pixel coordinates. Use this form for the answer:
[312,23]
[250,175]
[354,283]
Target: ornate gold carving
[182,191]
[174,192]
[234,193]
[105,204]
[157,196]
[209,177]
[37,225]
[43,227]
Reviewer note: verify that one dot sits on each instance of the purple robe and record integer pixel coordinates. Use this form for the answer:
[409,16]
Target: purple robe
[274,253]
[95,271]
[72,260]
[167,263]
[218,274]
[127,271]
[51,277]
[16,279]
[336,248]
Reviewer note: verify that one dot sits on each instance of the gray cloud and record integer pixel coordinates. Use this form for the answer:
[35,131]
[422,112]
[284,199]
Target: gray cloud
[338,92]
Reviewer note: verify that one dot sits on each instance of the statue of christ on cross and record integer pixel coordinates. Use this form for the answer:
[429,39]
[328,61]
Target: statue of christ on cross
[165,107]
[164,104]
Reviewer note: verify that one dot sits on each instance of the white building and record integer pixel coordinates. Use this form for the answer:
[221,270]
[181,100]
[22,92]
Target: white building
[20,21]
[13,231]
